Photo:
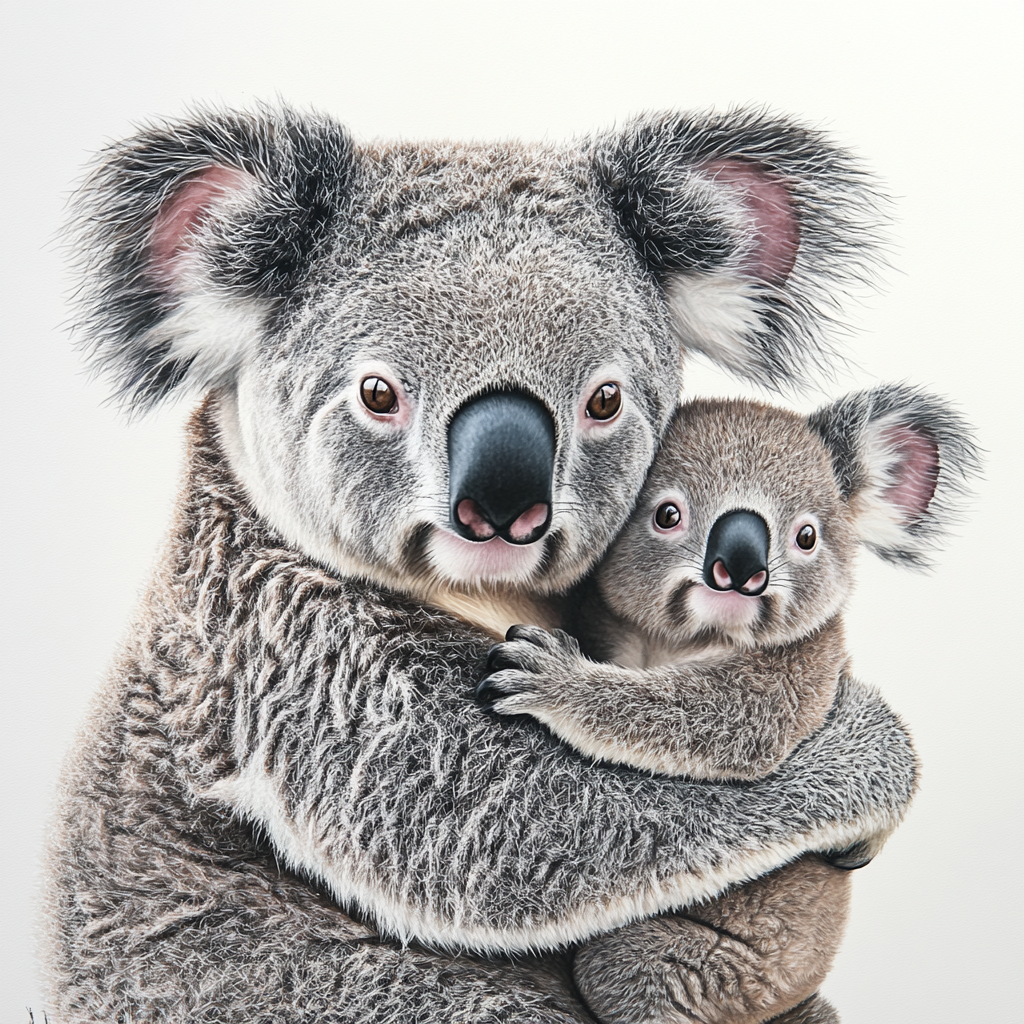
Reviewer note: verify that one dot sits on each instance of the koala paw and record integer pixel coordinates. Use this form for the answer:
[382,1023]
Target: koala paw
[528,672]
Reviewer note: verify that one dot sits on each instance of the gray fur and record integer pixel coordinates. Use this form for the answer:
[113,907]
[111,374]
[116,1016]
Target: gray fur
[421,815]
[728,699]
[689,692]
[286,777]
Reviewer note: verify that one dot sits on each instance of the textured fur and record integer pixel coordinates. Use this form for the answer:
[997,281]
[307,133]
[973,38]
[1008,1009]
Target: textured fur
[728,699]
[695,687]
[286,775]
[354,709]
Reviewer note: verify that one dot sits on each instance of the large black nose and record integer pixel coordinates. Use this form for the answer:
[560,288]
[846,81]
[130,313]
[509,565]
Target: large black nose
[737,553]
[501,458]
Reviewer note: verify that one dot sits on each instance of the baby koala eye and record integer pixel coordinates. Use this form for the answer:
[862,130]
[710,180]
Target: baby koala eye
[667,515]
[806,537]
[605,402]
[378,395]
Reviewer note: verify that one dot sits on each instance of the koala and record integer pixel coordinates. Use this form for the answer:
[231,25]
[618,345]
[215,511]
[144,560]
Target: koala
[714,622]
[433,378]
[711,634]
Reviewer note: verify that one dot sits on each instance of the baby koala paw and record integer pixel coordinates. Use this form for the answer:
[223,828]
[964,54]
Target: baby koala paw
[529,671]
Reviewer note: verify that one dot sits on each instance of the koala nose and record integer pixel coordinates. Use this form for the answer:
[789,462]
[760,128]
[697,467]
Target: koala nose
[737,553]
[501,459]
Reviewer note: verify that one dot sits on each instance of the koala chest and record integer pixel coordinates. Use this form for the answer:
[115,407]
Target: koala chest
[495,613]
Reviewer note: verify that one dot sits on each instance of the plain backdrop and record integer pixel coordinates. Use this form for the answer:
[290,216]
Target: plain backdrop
[930,96]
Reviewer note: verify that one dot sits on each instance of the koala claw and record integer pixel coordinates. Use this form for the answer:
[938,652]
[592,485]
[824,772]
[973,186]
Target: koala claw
[493,687]
[524,668]
[498,658]
[851,858]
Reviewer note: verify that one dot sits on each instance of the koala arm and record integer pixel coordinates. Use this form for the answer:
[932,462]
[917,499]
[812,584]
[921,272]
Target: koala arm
[734,715]
[368,764]
[338,721]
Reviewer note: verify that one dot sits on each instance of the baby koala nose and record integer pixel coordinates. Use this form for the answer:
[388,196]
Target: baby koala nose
[737,553]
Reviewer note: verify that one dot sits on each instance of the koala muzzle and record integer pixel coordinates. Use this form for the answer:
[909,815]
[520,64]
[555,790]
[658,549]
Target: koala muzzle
[737,553]
[501,460]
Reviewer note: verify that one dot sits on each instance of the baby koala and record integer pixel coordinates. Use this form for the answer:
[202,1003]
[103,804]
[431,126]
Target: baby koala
[711,634]
[712,644]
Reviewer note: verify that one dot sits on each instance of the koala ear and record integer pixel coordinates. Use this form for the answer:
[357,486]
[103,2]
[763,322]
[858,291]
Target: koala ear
[903,459]
[751,224]
[191,235]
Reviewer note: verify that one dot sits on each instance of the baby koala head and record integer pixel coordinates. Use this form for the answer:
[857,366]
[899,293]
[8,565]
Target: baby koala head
[746,530]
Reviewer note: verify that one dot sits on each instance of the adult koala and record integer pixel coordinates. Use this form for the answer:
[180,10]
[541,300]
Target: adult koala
[287,805]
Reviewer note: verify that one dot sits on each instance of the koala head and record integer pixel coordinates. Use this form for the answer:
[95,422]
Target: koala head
[746,529]
[449,364]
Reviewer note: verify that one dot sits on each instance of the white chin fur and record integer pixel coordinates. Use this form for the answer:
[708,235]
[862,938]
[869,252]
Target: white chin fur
[724,610]
[464,562]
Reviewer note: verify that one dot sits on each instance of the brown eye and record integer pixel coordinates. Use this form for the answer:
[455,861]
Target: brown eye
[806,537]
[605,402]
[378,395]
[667,515]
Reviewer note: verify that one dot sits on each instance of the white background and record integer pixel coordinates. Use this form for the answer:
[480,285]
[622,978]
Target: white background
[928,93]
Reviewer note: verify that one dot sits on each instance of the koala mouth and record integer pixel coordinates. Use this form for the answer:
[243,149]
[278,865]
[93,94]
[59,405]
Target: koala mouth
[700,610]
[474,562]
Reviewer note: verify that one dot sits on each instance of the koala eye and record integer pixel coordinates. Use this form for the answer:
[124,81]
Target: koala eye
[605,402]
[378,395]
[806,537]
[667,515]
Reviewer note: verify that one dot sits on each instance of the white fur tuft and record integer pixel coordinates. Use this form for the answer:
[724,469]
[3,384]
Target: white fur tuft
[211,331]
[717,314]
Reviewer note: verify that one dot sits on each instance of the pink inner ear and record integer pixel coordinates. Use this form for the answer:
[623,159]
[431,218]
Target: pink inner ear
[186,210]
[916,472]
[777,231]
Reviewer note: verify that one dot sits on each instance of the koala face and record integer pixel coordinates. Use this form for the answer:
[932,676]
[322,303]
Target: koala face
[516,286]
[720,463]
[747,527]
[448,365]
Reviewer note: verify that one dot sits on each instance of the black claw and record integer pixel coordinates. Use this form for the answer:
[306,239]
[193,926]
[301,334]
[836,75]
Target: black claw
[492,653]
[484,689]
[497,659]
[531,634]
[850,859]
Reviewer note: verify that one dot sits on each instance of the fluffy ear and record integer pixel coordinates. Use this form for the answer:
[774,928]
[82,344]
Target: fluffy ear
[191,235]
[903,459]
[751,224]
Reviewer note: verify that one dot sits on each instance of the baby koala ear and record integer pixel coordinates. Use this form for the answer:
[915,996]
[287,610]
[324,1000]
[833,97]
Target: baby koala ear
[903,459]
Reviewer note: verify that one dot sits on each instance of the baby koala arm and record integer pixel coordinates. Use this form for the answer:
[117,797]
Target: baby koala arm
[736,714]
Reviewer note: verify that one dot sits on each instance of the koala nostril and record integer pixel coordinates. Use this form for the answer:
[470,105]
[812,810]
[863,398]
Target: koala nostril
[523,530]
[722,578]
[756,584]
[470,515]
